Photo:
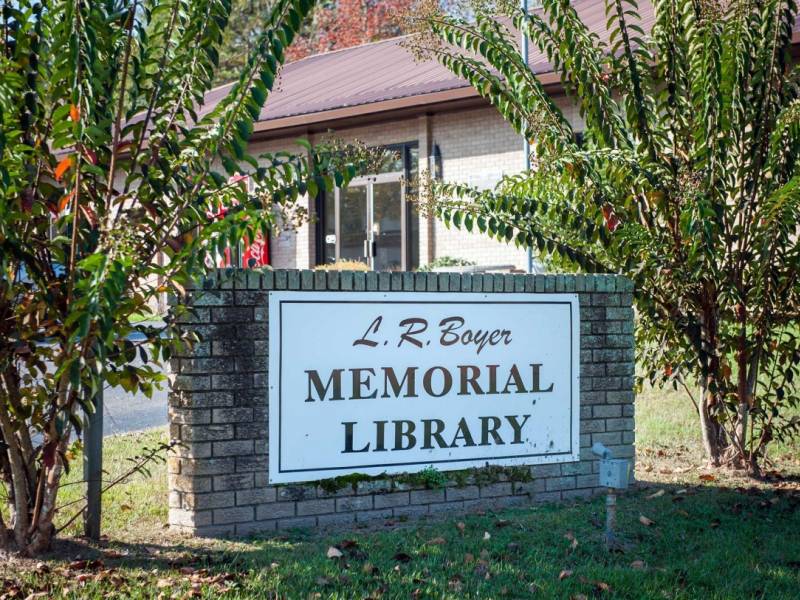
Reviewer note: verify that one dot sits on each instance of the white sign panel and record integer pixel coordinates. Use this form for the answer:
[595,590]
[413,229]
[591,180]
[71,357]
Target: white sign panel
[396,382]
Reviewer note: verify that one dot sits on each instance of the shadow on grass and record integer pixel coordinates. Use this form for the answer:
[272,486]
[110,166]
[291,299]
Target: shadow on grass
[707,541]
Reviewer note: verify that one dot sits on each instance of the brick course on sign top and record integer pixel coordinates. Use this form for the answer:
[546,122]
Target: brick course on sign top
[218,407]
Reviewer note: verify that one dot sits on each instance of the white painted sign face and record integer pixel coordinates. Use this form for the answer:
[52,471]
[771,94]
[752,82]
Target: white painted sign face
[378,382]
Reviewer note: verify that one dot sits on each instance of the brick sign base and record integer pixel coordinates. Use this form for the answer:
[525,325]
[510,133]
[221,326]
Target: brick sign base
[218,409]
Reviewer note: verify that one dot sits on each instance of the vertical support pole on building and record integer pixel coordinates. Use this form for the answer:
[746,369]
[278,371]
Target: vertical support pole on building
[93,468]
[526,145]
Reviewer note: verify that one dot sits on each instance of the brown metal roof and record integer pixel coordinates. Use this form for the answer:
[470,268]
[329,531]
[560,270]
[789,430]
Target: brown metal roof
[383,76]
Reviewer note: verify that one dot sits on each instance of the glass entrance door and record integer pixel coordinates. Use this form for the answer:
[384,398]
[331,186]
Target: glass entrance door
[387,227]
[352,219]
[369,222]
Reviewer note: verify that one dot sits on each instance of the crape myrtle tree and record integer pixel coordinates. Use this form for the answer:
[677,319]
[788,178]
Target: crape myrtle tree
[116,186]
[685,179]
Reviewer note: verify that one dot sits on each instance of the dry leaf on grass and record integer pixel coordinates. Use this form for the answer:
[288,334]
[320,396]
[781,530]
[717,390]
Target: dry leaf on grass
[638,565]
[565,574]
[707,477]
[482,570]
[455,584]
[645,521]
[654,495]
[487,536]
[601,586]
[573,541]
[334,552]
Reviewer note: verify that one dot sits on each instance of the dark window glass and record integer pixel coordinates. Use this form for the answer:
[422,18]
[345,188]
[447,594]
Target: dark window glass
[412,214]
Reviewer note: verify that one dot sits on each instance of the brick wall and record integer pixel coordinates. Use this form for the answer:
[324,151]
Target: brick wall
[218,407]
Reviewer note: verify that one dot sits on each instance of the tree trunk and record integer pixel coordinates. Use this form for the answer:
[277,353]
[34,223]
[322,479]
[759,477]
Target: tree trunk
[713,435]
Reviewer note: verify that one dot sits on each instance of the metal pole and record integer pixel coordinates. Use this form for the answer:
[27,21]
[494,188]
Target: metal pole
[526,145]
[611,518]
[93,468]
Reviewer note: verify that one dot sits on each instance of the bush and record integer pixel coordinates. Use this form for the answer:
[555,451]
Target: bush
[685,179]
[447,261]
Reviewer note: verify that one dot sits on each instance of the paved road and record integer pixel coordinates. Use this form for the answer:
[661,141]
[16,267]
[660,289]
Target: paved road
[124,412]
[132,412]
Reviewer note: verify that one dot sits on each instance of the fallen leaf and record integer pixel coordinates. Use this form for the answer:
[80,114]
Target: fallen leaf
[645,521]
[163,583]
[334,552]
[601,586]
[638,565]
[707,477]
[565,574]
[571,537]
[482,569]
[487,535]
[657,494]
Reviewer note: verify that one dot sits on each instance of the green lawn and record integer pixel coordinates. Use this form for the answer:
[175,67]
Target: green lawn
[707,540]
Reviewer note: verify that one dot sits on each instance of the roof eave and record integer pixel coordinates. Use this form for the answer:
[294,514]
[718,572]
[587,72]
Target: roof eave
[348,116]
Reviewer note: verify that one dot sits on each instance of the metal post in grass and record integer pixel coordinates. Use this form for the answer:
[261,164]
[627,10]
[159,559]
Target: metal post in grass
[614,475]
[93,468]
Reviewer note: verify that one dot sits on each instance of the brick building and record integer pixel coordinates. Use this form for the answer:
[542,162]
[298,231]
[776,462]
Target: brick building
[380,95]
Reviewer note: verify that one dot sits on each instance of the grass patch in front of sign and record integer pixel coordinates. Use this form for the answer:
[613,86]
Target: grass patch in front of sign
[700,537]
[703,541]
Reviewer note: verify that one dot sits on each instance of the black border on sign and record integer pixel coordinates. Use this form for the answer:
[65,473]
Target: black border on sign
[424,462]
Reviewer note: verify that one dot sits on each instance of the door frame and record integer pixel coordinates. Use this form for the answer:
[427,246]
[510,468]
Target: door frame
[368,181]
